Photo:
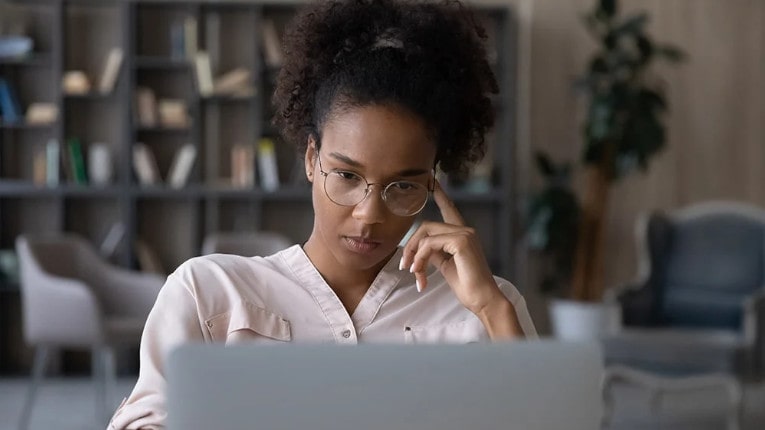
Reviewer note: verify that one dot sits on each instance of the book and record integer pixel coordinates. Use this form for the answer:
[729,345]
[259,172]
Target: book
[173,113]
[146,104]
[75,82]
[39,164]
[243,166]
[145,165]
[111,71]
[267,167]
[181,166]
[148,260]
[77,161]
[233,82]
[272,46]
[112,240]
[10,110]
[190,43]
[52,163]
[203,73]
[177,40]
[42,113]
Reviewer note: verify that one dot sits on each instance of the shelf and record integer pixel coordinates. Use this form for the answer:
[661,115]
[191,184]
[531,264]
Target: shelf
[286,193]
[26,189]
[163,192]
[25,126]
[161,129]
[20,188]
[161,63]
[94,96]
[33,60]
[86,191]
[228,99]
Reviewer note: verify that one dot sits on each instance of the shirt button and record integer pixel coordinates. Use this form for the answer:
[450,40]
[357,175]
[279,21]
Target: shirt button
[209,324]
[346,333]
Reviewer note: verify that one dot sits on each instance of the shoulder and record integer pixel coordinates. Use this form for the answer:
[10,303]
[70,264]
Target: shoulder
[223,278]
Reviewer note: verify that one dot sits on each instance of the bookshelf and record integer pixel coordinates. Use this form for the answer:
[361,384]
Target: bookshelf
[158,40]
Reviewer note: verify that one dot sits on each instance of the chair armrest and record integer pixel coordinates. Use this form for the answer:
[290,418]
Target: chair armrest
[754,320]
[126,292]
[61,311]
[637,303]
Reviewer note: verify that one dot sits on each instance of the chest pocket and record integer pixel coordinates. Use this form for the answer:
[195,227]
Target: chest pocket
[468,331]
[247,322]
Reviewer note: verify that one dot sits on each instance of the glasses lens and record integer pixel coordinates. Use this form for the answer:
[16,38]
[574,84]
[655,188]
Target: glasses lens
[405,198]
[345,188]
[402,198]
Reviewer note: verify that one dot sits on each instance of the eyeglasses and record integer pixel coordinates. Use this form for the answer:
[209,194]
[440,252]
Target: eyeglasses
[403,198]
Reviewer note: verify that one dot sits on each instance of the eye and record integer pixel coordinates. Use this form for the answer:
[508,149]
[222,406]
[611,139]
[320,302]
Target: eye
[404,186]
[346,176]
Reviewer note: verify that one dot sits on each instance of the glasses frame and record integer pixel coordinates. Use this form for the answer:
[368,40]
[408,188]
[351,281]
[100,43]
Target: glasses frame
[383,192]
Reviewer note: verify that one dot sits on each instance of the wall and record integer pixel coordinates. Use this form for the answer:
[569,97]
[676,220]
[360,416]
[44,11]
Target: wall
[716,147]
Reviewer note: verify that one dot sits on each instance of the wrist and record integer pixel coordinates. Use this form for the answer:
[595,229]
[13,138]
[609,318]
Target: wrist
[500,320]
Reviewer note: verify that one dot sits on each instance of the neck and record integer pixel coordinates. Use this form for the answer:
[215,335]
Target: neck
[341,279]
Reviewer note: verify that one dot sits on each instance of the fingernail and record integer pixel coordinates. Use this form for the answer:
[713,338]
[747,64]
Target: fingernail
[401,264]
[411,268]
[419,288]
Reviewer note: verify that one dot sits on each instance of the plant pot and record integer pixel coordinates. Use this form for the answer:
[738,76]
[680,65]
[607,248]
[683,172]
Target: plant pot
[573,320]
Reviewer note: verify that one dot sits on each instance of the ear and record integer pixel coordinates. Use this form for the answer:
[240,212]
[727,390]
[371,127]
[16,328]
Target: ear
[310,159]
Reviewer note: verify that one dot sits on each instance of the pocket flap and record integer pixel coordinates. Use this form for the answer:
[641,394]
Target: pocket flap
[246,316]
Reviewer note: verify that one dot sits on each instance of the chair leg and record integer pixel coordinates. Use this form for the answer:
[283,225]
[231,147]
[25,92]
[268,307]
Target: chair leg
[103,379]
[38,371]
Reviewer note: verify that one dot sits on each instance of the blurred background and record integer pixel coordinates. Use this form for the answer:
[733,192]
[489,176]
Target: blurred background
[623,191]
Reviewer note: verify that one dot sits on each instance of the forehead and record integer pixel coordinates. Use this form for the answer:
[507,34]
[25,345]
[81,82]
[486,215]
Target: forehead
[379,135]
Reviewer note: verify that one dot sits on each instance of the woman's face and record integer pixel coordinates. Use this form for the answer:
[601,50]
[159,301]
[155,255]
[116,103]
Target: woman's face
[382,144]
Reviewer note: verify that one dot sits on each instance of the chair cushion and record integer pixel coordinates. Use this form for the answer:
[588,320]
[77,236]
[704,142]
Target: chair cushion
[693,307]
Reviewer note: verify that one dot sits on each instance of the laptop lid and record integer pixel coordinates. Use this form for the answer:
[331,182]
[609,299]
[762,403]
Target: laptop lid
[520,385]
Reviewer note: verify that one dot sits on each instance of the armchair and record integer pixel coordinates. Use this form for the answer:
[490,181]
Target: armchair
[72,298]
[698,305]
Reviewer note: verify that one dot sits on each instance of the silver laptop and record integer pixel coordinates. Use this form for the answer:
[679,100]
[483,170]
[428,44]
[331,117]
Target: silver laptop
[544,385]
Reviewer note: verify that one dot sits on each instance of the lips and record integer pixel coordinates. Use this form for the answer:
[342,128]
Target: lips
[360,244]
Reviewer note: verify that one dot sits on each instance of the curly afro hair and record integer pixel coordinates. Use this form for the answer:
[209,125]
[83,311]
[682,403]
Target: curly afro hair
[428,58]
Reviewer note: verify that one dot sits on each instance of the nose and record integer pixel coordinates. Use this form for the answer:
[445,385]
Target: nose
[372,209]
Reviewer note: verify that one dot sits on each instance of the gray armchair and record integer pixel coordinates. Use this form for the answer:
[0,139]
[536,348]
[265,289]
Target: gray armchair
[698,305]
[72,298]
[260,243]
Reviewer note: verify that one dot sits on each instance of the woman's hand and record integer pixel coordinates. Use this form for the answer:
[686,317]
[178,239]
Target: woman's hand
[454,249]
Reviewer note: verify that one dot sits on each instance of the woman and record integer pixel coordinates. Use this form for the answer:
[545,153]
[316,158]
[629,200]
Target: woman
[376,94]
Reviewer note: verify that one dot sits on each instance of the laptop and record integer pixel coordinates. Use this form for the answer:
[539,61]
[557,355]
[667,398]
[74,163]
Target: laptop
[530,385]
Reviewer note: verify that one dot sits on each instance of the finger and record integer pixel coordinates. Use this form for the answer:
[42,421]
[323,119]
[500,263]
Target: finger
[449,211]
[421,280]
[426,229]
[434,250]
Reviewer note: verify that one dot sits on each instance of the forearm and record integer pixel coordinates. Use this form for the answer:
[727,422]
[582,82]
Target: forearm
[500,320]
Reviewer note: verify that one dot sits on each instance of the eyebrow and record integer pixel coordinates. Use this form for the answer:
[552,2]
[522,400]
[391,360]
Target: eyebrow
[353,163]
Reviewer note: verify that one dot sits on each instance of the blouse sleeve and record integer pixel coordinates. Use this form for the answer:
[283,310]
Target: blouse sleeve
[521,310]
[172,321]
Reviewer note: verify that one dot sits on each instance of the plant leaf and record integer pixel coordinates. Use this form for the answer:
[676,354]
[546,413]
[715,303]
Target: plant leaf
[544,164]
[607,8]
[633,24]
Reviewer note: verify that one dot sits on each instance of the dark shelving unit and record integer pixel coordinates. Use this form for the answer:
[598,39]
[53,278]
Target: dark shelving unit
[78,34]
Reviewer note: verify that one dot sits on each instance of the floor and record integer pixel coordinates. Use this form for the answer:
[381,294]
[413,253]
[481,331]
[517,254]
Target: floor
[68,404]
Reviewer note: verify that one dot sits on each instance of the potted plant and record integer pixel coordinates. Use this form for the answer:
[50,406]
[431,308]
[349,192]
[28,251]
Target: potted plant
[622,132]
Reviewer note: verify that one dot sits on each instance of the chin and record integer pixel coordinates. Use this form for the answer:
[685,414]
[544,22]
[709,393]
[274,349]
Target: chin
[363,255]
